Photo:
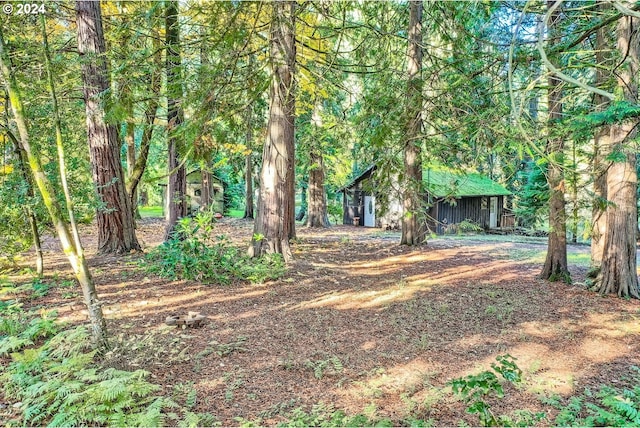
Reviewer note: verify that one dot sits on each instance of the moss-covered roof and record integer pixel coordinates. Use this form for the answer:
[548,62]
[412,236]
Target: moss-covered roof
[441,183]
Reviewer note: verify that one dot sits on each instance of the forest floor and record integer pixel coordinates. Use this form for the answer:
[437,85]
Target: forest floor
[362,324]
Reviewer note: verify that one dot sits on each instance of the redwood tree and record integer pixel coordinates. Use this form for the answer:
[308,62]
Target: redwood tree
[116,227]
[275,225]
[317,198]
[555,265]
[618,270]
[412,232]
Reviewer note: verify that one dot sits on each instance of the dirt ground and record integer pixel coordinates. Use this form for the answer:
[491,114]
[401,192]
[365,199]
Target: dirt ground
[361,323]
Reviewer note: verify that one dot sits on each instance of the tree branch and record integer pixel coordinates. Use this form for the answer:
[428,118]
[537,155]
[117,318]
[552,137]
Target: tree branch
[553,69]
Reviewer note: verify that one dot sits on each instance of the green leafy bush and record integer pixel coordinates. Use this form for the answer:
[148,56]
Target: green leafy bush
[194,253]
[476,389]
[469,226]
[13,218]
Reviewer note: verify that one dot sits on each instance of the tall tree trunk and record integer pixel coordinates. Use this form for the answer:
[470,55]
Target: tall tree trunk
[317,202]
[413,232]
[248,177]
[555,265]
[206,197]
[275,223]
[74,254]
[574,194]
[21,157]
[618,270]
[116,229]
[248,167]
[303,202]
[316,205]
[125,97]
[205,188]
[177,190]
[130,143]
[599,167]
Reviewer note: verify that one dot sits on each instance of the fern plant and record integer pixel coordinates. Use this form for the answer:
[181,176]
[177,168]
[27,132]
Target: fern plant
[17,332]
[331,365]
[610,406]
[59,384]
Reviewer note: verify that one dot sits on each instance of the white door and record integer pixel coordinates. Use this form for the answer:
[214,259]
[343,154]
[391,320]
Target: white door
[369,211]
[493,213]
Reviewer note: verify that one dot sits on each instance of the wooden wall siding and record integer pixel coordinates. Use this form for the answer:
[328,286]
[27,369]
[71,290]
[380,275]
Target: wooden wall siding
[465,209]
[353,203]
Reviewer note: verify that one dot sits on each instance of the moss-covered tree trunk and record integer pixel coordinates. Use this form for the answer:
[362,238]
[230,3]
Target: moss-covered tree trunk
[618,273]
[555,266]
[73,254]
[413,232]
[116,227]
[21,157]
[275,222]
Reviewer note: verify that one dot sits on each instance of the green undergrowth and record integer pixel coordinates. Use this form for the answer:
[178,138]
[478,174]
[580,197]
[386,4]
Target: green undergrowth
[196,253]
[53,378]
[609,406]
[478,391]
[321,415]
[151,211]
[325,415]
[50,376]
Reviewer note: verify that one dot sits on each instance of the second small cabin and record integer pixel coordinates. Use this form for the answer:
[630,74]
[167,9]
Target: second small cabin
[451,197]
[198,184]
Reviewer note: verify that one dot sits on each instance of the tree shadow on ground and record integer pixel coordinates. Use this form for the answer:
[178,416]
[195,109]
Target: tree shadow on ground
[363,323]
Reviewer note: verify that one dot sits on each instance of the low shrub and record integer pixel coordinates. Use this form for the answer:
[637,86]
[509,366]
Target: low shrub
[475,390]
[195,253]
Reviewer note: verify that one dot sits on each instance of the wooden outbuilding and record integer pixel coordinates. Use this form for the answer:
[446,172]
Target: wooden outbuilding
[451,198]
[198,184]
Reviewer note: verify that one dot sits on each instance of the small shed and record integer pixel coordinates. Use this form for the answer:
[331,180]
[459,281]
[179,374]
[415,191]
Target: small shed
[197,183]
[451,197]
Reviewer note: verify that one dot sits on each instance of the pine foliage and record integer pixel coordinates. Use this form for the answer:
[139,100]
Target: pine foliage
[532,202]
